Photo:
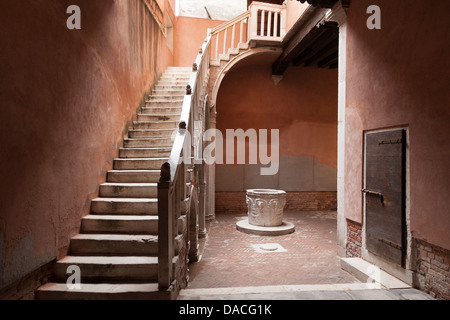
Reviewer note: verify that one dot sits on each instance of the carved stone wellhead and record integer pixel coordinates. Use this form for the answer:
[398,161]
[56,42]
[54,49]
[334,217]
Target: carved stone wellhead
[265,213]
[265,207]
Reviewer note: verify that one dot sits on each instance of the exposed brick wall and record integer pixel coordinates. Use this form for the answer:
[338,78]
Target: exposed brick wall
[311,201]
[234,202]
[230,202]
[433,269]
[354,239]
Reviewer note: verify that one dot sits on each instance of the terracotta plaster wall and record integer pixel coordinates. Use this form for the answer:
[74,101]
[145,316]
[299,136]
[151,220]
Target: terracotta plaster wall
[399,76]
[188,38]
[66,97]
[303,107]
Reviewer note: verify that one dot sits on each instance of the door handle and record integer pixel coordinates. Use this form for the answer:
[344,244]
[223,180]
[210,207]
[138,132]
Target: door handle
[379,194]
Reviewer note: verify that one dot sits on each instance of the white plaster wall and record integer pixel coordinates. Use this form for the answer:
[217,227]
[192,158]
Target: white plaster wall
[218,9]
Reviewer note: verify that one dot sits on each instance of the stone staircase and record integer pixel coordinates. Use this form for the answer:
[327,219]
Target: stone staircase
[223,59]
[117,248]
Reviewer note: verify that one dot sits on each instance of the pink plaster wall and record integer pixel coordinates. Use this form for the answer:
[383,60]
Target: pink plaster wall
[399,76]
[66,97]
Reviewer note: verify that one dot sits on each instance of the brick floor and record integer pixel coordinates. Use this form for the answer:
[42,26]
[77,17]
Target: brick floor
[229,260]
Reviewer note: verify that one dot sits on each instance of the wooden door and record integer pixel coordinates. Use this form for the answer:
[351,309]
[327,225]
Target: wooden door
[384,190]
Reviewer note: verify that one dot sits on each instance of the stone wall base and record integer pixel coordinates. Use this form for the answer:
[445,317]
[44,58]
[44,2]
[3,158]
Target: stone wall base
[24,288]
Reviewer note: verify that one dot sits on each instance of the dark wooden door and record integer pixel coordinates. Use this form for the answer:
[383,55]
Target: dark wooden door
[385,194]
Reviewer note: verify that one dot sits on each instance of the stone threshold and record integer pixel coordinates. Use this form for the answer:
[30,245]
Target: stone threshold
[371,274]
[186,293]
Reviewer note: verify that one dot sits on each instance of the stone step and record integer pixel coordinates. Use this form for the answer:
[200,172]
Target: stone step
[151,133]
[164,104]
[178,68]
[120,224]
[139,163]
[95,269]
[169,98]
[214,63]
[151,110]
[175,71]
[155,124]
[133,176]
[174,78]
[114,245]
[170,92]
[160,87]
[159,117]
[124,206]
[144,152]
[371,274]
[102,291]
[128,190]
[172,83]
[148,143]
[187,70]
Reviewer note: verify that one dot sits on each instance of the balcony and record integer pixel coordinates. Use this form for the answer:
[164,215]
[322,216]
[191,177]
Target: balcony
[263,24]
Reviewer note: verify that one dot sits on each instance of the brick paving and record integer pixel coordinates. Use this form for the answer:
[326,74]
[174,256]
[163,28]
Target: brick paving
[231,258]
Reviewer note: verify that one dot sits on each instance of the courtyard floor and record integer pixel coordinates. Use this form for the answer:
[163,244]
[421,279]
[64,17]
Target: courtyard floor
[231,258]
[303,265]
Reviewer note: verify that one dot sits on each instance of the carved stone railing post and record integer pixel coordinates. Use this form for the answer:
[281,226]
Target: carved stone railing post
[201,202]
[165,229]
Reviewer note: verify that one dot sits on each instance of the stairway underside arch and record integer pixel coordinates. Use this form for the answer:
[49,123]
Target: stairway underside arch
[232,63]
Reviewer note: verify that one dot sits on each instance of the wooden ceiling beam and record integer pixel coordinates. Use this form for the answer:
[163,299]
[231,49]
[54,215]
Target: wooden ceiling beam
[330,48]
[324,43]
[328,61]
[334,65]
[299,37]
[321,3]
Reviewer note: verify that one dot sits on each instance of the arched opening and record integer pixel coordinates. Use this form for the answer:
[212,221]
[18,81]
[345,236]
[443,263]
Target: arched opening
[303,107]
